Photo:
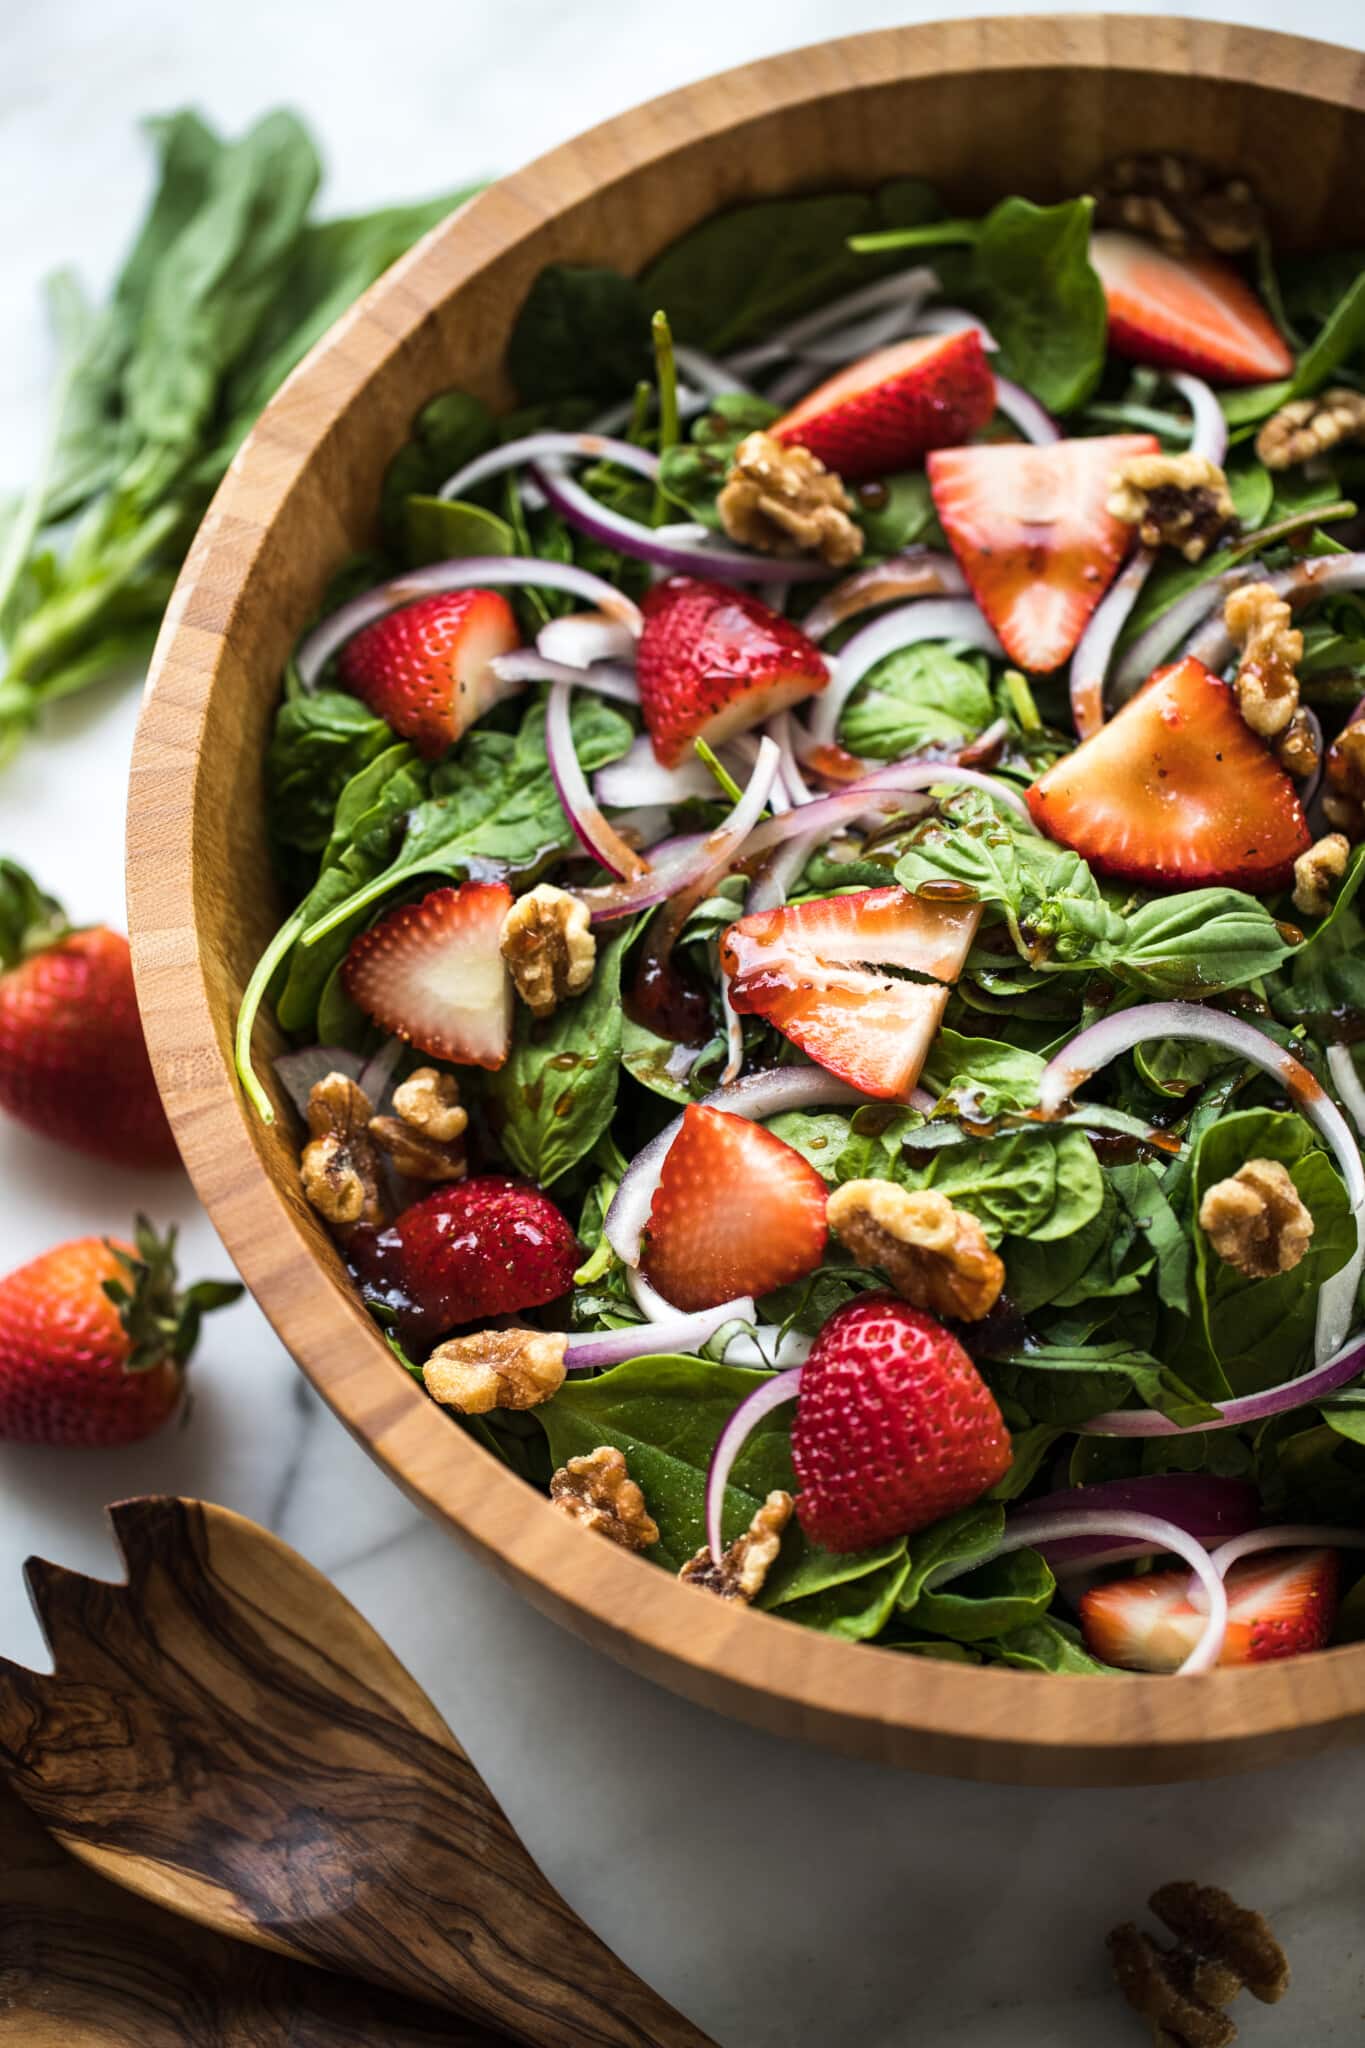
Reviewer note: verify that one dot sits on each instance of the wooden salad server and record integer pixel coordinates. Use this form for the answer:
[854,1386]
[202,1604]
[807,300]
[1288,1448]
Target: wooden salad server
[228,1737]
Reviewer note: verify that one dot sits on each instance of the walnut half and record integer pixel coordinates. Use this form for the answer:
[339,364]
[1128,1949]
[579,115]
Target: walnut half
[1317,872]
[496,1369]
[783,501]
[339,1168]
[1266,682]
[1256,1220]
[1180,202]
[1175,501]
[936,1256]
[426,1138]
[598,1492]
[549,948]
[1311,426]
[743,1566]
[1219,1948]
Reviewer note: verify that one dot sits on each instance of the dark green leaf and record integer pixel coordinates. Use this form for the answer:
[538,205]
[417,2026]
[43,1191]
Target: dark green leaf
[1041,298]
[582,331]
[922,694]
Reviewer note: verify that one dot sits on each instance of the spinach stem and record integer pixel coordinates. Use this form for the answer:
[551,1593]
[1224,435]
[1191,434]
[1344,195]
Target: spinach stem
[252,997]
[666,377]
[706,755]
[638,427]
[931,234]
[1021,700]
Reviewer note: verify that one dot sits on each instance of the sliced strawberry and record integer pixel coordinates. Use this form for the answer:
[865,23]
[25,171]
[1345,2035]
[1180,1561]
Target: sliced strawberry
[427,669]
[736,1212]
[1278,1604]
[891,927]
[1186,312]
[1176,791]
[714,661]
[433,973]
[881,414]
[1032,531]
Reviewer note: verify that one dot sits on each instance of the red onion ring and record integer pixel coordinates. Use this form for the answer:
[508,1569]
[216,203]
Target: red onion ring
[905,285]
[1095,648]
[639,777]
[591,829]
[873,793]
[586,640]
[608,678]
[774,1393]
[928,619]
[1023,411]
[690,863]
[1320,576]
[1165,634]
[550,446]
[1286,1536]
[648,544]
[1208,424]
[1312,1386]
[1206,1507]
[672,1332]
[915,572]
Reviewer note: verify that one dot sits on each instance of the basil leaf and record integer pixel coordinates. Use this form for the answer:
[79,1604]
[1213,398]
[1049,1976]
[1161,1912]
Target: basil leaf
[1196,943]
[915,697]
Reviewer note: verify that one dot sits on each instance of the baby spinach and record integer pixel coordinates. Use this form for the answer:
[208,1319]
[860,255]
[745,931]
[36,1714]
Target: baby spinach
[1048,1645]
[1041,1182]
[691,472]
[1065,1384]
[448,432]
[1042,300]
[319,743]
[1326,976]
[440,529]
[970,1533]
[1340,339]
[851,1596]
[818,1135]
[1007,1593]
[583,330]
[994,1075]
[916,697]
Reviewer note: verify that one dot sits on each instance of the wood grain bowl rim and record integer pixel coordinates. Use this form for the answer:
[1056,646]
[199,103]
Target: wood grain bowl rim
[966,1721]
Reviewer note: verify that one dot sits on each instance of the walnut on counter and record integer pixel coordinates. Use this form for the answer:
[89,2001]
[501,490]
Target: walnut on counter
[1256,1220]
[1174,501]
[425,1140]
[1343,798]
[339,1168]
[1152,1979]
[1266,683]
[934,1255]
[1180,202]
[740,1571]
[1220,1947]
[783,501]
[1317,872]
[496,1369]
[598,1492]
[548,945]
[1306,427]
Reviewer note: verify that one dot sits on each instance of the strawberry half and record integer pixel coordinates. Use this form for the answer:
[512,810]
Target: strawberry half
[427,669]
[433,974]
[796,968]
[713,661]
[1278,1605]
[1186,312]
[1032,532]
[736,1211]
[1176,791]
[881,414]
[894,1426]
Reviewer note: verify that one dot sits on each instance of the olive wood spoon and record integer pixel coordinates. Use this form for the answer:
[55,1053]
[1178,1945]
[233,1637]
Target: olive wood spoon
[227,1736]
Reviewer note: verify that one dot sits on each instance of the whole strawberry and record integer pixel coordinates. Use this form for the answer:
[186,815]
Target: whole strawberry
[894,1426]
[73,1061]
[95,1338]
[489,1246]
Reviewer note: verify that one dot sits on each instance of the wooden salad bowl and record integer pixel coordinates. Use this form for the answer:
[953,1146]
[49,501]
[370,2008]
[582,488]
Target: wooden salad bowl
[982,108]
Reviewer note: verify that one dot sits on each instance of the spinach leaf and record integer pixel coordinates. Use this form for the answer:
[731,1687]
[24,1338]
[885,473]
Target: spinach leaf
[914,697]
[440,529]
[447,433]
[1042,1183]
[970,1533]
[994,1076]
[1008,1593]
[692,472]
[1065,1384]
[852,1597]
[319,743]
[1048,1645]
[1342,337]
[818,1135]
[1326,976]
[895,512]
[1045,305]
[582,331]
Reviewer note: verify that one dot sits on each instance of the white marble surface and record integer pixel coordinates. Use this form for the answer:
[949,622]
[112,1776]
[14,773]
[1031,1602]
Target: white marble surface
[784,1898]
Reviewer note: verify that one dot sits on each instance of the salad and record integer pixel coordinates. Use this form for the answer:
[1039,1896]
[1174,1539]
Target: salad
[826,957]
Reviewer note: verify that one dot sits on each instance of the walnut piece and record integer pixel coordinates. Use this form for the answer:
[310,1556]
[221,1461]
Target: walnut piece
[1256,1221]
[743,1566]
[784,501]
[1174,501]
[1151,1979]
[1266,684]
[1310,426]
[1317,872]
[1215,1929]
[598,1492]
[339,1169]
[1220,1947]
[1297,749]
[496,1369]
[934,1255]
[549,948]
[1180,203]
[1344,776]
[425,1140]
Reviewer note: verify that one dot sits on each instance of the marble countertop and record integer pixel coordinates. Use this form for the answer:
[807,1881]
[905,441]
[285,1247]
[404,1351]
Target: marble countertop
[781,1896]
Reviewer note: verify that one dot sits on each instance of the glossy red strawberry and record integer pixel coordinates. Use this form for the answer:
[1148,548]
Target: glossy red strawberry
[1279,1604]
[881,414]
[1176,791]
[73,1061]
[1033,534]
[427,668]
[737,1211]
[490,1246]
[94,1340]
[713,661]
[1187,313]
[433,973]
[894,1426]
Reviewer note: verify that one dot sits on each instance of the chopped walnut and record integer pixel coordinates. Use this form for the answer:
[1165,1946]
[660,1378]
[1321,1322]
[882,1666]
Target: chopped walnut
[425,1140]
[934,1255]
[339,1170]
[598,1492]
[1151,1979]
[496,1369]
[1180,202]
[1297,749]
[739,1573]
[1311,426]
[1343,799]
[1266,684]
[1174,501]
[1256,1221]
[1317,872]
[549,948]
[784,501]
[1220,1947]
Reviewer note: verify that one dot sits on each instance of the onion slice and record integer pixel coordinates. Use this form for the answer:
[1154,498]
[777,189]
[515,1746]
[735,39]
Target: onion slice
[1209,427]
[586,640]
[1023,411]
[639,777]
[905,286]
[878,792]
[591,829]
[1095,648]
[1329,1378]
[550,447]
[608,678]
[1204,1506]
[774,1393]
[1320,576]
[672,1332]
[1285,1536]
[929,619]
[915,572]
[692,863]
[1345,1079]
[657,546]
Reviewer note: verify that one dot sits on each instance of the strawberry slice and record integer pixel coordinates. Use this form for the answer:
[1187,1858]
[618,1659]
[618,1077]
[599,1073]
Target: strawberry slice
[1278,1605]
[881,414]
[432,973]
[1176,791]
[892,927]
[714,661]
[1186,312]
[736,1212]
[427,668]
[1035,539]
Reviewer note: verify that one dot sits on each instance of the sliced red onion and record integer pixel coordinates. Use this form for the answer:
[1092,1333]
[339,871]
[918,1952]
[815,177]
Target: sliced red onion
[1095,648]
[706,375]
[774,1393]
[1319,576]
[906,286]
[907,626]
[299,1072]
[640,778]
[954,320]
[768,1345]
[650,544]
[587,640]
[915,572]
[1208,1508]
[655,1309]
[471,572]
[1287,1536]
[1209,427]
[671,1332]
[691,863]
[591,829]
[550,447]
[1028,1531]
[772,882]
[985,750]
[614,679]
[378,1071]
[876,793]
[1326,1379]
[1103,1042]
[1158,641]
[758,1096]
[780,729]
[1022,410]
[861,338]
[734,1034]
[1346,1080]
